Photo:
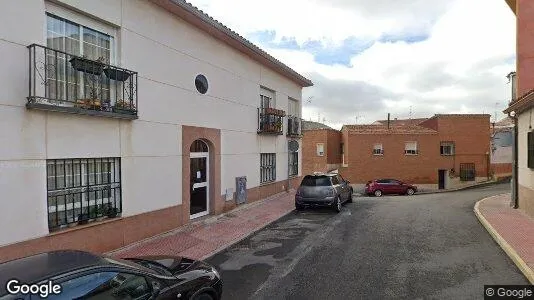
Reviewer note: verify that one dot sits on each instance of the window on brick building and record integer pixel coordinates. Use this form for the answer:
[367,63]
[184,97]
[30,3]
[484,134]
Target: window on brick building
[446,148]
[293,163]
[410,148]
[320,149]
[378,149]
[530,152]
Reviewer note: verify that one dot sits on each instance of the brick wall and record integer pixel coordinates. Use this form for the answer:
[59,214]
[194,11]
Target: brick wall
[470,134]
[334,147]
[310,161]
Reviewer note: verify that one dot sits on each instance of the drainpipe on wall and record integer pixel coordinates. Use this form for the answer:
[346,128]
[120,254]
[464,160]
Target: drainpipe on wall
[515,186]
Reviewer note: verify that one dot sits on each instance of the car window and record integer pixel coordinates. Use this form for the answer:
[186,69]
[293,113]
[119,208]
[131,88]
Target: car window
[382,181]
[335,180]
[316,181]
[105,285]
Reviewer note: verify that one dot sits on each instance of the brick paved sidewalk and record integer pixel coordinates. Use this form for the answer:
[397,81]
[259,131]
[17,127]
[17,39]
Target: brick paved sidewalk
[204,238]
[511,228]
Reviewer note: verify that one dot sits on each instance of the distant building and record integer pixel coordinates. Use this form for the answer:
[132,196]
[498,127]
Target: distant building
[321,148]
[502,139]
[443,151]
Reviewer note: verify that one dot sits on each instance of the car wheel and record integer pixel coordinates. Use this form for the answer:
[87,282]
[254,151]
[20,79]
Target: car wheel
[203,296]
[337,204]
[350,196]
[410,192]
[378,193]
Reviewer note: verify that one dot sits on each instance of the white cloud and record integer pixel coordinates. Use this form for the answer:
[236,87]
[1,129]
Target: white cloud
[461,67]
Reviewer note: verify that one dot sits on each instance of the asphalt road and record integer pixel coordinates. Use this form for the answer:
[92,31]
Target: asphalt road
[394,247]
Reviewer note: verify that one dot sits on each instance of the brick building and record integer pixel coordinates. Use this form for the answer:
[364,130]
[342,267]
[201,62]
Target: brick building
[321,151]
[521,108]
[443,151]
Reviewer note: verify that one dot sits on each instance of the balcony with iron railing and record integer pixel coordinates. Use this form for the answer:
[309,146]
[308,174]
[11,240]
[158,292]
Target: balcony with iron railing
[294,129]
[59,81]
[270,121]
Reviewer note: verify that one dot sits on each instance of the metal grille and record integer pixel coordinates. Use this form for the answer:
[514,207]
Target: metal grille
[293,163]
[267,167]
[82,190]
[467,172]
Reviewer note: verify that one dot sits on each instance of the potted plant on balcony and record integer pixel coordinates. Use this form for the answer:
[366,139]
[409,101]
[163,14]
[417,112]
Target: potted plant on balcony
[117,74]
[124,107]
[83,218]
[278,125]
[90,103]
[83,64]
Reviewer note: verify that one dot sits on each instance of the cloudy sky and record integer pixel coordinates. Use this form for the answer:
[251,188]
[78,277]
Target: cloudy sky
[370,57]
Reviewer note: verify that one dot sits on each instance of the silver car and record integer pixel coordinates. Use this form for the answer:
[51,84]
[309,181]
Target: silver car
[323,190]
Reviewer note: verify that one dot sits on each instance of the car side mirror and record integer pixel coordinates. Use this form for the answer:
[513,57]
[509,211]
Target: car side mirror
[347,182]
[156,290]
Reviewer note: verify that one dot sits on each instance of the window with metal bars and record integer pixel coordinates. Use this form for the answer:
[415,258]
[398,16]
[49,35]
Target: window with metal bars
[530,150]
[293,163]
[82,190]
[267,167]
[467,172]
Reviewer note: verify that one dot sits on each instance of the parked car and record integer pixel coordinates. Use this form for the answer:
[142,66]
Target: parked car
[323,190]
[83,275]
[379,187]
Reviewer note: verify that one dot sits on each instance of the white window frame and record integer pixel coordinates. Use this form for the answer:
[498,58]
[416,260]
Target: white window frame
[266,93]
[446,145]
[320,149]
[378,149]
[293,107]
[411,150]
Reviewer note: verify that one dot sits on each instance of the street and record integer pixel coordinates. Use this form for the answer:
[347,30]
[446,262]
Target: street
[423,246]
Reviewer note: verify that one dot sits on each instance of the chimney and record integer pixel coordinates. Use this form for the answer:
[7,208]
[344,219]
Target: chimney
[388,119]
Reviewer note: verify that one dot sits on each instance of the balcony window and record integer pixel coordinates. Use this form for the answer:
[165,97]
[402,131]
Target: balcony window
[82,190]
[74,73]
[446,148]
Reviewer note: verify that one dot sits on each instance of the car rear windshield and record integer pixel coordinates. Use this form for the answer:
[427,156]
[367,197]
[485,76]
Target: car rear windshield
[316,181]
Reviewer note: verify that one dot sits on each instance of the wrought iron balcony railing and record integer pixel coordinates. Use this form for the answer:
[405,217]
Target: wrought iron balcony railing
[59,81]
[294,126]
[270,121]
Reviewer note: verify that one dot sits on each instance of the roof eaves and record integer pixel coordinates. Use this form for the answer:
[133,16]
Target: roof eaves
[288,72]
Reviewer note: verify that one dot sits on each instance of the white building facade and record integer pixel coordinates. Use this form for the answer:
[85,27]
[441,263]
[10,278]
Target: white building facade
[124,119]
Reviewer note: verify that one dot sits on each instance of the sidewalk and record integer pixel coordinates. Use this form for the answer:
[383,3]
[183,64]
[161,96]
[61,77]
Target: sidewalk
[206,237]
[511,228]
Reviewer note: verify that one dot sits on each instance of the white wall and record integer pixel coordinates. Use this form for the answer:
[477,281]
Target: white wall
[525,175]
[168,53]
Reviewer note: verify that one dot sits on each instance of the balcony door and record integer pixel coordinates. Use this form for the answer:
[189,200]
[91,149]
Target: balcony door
[199,179]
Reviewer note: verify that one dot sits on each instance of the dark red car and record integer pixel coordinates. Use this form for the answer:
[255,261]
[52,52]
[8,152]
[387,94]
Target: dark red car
[379,187]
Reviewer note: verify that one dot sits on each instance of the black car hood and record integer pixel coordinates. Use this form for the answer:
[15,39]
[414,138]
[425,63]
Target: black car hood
[175,264]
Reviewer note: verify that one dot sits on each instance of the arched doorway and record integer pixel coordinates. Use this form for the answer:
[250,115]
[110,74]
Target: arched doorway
[199,179]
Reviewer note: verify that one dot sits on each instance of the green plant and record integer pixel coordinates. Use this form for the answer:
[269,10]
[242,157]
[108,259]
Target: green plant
[124,105]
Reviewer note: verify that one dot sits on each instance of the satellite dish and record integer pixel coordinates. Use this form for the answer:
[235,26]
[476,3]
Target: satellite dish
[293,145]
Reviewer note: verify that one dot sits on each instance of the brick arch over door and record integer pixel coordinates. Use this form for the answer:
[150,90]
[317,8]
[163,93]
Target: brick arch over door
[212,137]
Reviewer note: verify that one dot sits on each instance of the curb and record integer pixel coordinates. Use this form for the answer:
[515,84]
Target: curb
[482,184]
[519,262]
[230,244]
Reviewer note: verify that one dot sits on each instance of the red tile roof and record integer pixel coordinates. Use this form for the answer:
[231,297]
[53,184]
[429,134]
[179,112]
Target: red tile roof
[383,129]
[402,122]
